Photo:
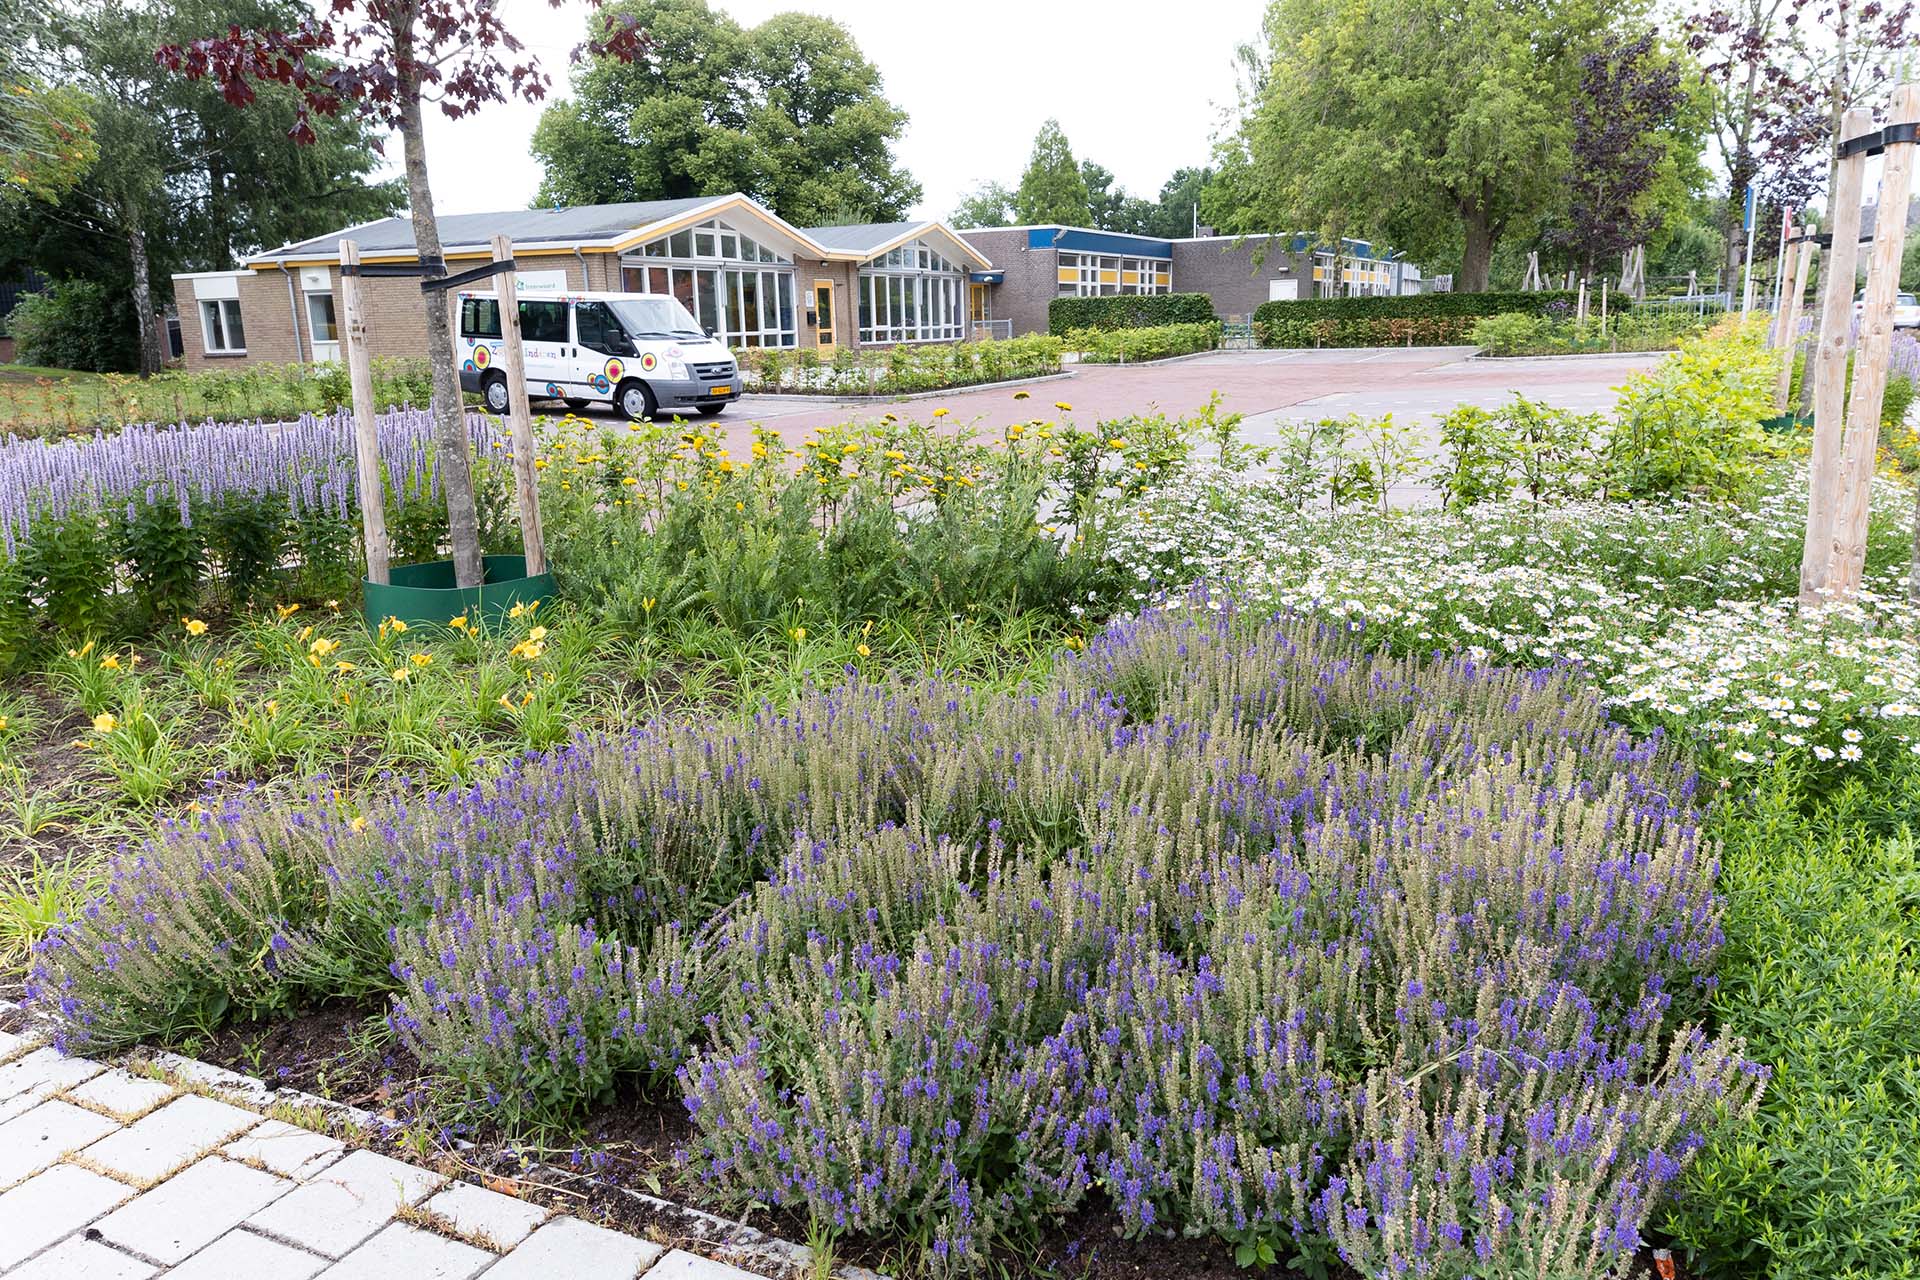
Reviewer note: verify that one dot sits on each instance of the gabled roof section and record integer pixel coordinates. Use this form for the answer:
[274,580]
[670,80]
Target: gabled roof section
[860,241]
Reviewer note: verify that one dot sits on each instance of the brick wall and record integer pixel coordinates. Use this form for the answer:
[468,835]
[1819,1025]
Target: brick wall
[1032,277]
[1236,274]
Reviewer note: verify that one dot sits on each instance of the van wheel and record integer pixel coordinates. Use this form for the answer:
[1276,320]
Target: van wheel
[577,405]
[635,399]
[710,410]
[494,390]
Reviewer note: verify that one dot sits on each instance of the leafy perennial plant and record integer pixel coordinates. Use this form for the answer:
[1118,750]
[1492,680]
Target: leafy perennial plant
[1234,928]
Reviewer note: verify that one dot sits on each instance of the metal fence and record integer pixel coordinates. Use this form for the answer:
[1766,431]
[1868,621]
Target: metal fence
[985,329]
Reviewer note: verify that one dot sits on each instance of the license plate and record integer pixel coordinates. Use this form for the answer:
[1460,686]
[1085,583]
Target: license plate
[724,389]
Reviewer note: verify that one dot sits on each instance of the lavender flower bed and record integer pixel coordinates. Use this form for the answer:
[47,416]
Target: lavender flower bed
[1236,929]
[309,462]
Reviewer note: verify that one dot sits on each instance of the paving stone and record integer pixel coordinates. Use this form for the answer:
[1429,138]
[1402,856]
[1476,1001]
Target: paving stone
[183,1130]
[37,1139]
[571,1248]
[486,1217]
[191,1210]
[346,1202]
[121,1093]
[242,1255]
[79,1259]
[286,1149]
[249,1090]
[56,1203]
[12,1043]
[681,1265]
[44,1071]
[401,1252]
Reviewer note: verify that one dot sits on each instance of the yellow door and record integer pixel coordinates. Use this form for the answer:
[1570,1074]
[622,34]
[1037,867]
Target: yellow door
[823,315]
[977,309]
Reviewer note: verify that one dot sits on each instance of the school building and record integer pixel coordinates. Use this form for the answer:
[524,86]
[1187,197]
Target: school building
[755,279]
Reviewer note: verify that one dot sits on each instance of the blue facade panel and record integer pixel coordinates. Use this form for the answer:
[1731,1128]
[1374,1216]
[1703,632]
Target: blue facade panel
[1083,240]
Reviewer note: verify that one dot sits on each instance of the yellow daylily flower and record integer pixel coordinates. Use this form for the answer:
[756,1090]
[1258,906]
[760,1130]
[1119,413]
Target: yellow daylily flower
[105,722]
[286,610]
[194,626]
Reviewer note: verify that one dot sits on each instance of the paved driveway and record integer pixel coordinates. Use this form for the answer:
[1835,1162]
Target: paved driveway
[1266,387]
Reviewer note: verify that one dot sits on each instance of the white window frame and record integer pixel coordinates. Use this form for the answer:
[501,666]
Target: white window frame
[910,294]
[207,308]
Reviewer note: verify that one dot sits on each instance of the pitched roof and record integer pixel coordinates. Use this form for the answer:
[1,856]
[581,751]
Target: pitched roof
[524,226]
[859,236]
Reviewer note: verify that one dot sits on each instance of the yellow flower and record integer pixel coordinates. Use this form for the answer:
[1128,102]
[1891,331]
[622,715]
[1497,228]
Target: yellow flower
[939,413]
[1063,406]
[343,666]
[398,627]
[459,623]
[304,633]
[272,705]
[1021,395]
[322,647]
[422,659]
[105,723]
[110,663]
[399,673]
[333,605]
[1116,443]
[358,824]
[799,633]
[286,610]
[505,701]
[863,650]
[82,651]
[194,626]
[3,724]
[538,633]
[647,603]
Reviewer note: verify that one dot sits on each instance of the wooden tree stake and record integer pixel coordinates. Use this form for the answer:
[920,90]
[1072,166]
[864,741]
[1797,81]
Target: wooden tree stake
[526,488]
[366,436]
[1790,322]
[1875,353]
[1828,361]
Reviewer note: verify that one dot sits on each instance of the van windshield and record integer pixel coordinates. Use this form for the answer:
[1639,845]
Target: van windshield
[656,318]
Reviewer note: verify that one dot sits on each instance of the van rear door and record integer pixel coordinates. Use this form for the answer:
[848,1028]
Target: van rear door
[545,339]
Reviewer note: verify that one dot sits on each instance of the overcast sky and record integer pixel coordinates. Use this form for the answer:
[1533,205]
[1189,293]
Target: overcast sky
[1140,90]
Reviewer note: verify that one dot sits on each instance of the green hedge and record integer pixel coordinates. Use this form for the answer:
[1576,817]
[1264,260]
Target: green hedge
[1119,346]
[1128,311]
[1422,319]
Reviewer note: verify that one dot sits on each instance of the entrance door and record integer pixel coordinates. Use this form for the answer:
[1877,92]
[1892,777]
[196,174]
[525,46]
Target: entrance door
[823,315]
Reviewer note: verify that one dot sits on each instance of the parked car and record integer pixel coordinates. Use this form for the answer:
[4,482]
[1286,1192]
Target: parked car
[1906,309]
[643,353]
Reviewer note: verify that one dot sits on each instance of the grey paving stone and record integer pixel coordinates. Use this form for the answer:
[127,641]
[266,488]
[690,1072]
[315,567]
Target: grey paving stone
[574,1249]
[681,1265]
[57,1203]
[286,1149]
[242,1255]
[183,1130]
[44,1071]
[13,1044]
[346,1202]
[401,1252]
[78,1259]
[191,1210]
[37,1139]
[249,1090]
[486,1217]
[122,1094]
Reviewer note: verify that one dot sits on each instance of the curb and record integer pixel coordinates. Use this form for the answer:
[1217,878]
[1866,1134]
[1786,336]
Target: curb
[1575,355]
[1146,364]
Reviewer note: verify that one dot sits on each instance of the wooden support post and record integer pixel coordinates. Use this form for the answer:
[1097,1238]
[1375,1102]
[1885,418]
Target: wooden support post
[1829,365]
[526,482]
[1580,303]
[1862,445]
[370,484]
[1790,322]
[1604,282]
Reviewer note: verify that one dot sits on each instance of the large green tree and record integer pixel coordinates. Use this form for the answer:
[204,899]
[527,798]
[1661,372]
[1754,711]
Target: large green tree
[46,135]
[1436,125]
[789,112]
[989,204]
[1053,189]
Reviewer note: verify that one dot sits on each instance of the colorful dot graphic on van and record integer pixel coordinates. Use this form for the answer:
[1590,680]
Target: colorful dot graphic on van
[468,366]
[553,388]
[600,383]
[482,356]
[647,362]
[614,369]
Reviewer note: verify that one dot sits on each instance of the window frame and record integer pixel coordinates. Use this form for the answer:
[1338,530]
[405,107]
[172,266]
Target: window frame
[226,326]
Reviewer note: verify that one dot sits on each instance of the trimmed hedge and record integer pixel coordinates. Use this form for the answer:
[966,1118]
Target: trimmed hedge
[1128,311]
[1422,319]
[1119,346]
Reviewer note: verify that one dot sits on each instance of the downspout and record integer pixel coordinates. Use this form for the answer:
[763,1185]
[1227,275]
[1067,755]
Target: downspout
[293,309]
[586,281]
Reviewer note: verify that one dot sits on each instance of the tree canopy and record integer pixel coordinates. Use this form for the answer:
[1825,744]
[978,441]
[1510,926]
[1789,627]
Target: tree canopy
[1053,189]
[789,112]
[989,204]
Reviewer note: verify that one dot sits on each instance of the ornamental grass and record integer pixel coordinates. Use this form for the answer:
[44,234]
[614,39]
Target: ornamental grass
[1236,928]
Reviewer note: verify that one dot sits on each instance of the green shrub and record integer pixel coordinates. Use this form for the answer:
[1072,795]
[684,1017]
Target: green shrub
[1423,319]
[1516,333]
[1116,346]
[902,369]
[75,324]
[1691,423]
[1128,311]
[1511,333]
[1822,927]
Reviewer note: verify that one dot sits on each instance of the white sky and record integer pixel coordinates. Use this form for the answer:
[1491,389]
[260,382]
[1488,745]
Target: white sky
[1138,89]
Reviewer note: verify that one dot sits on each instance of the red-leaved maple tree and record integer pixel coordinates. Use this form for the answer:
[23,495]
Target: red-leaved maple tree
[388,60]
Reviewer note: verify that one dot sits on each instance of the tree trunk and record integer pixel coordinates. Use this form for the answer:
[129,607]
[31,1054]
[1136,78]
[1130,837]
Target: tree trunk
[449,411]
[153,355]
[1476,264]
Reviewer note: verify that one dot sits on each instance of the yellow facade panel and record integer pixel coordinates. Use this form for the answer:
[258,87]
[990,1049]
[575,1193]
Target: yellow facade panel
[1068,275]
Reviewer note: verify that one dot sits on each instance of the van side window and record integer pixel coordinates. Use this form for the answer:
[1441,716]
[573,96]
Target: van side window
[543,321]
[600,329]
[479,317]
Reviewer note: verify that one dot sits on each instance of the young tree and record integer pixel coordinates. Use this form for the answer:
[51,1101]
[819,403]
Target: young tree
[1052,190]
[989,204]
[1624,123]
[1435,125]
[790,112]
[385,59]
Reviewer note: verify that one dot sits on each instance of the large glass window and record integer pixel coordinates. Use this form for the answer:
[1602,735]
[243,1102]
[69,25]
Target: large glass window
[1093,274]
[908,294]
[220,328]
[706,268]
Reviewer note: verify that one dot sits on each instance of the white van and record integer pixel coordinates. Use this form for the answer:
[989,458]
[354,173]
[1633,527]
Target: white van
[642,352]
